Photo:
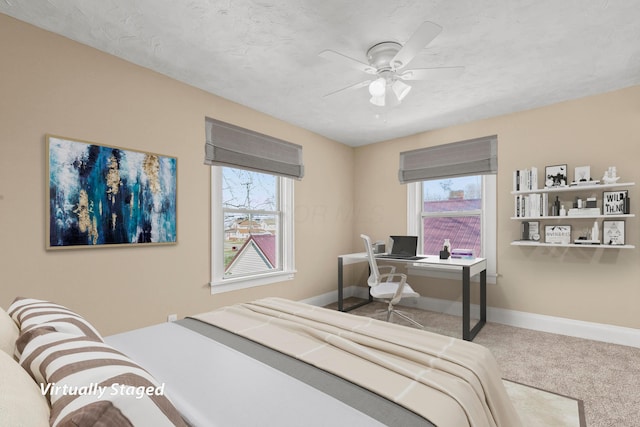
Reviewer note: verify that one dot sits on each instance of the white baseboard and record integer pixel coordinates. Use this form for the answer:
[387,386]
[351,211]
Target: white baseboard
[563,326]
[538,322]
[324,299]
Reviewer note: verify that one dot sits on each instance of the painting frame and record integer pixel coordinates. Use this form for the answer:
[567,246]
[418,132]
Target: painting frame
[555,176]
[557,234]
[534,231]
[100,196]
[613,232]
[582,175]
[615,202]
[531,230]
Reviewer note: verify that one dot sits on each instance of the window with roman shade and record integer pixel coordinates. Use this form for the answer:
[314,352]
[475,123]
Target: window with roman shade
[477,156]
[252,224]
[230,145]
[451,194]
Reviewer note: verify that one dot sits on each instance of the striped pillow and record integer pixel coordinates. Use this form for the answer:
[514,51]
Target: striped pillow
[32,314]
[90,383]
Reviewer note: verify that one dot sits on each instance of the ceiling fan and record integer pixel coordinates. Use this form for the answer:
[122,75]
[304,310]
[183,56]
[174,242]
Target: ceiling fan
[386,65]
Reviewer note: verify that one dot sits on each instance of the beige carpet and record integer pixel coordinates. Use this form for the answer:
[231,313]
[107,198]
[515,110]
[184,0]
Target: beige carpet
[605,377]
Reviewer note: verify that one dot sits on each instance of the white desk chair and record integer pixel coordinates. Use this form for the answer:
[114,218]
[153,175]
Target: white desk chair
[383,287]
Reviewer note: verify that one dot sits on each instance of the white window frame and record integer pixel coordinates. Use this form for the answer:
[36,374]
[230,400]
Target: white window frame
[488,224]
[219,283]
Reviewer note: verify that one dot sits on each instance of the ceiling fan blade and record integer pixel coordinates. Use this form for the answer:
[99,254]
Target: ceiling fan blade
[351,87]
[350,62]
[431,73]
[422,37]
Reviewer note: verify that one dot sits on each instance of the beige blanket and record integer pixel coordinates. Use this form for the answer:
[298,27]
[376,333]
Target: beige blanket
[446,380]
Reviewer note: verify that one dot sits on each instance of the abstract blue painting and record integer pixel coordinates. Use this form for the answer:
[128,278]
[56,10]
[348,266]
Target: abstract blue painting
[101,195]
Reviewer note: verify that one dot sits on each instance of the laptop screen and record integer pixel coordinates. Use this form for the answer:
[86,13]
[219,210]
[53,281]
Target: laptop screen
[404,245]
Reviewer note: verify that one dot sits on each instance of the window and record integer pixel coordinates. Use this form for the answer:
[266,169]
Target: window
[461,209]
[451,194]
[252,229]
[251,206]
[451,209]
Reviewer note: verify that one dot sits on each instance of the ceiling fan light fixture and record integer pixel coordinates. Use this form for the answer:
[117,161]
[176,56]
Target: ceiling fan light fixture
[387,61]
[400,89]
[377,88]
[378,100]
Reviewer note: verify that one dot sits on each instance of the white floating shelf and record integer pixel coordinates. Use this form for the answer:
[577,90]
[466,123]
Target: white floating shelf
[568,245]
[572,217]
[575,188]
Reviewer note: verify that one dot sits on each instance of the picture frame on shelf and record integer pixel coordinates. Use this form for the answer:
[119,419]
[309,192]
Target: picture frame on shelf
[615,202]
[531,230]
[582,174]
[613,232]
[555,176]
[557,234]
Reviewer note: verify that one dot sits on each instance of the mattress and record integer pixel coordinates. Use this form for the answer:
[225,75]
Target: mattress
[214,384]
[282,363]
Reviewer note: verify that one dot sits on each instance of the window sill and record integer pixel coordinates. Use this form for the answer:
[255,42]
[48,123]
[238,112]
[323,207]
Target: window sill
[228,285]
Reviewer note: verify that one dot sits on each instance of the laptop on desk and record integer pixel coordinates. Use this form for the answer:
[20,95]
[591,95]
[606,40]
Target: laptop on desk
[403,247]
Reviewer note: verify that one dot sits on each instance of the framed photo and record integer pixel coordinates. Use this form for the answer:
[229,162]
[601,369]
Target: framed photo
[582,174]
[104,196]
[615,202]
[555,176]
[612,232]
[531,230]
[559,234]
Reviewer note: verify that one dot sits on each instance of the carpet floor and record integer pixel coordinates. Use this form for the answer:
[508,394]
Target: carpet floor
[605,377]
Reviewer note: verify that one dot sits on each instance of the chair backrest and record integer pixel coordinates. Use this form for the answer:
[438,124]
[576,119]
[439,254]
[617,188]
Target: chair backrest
[374,278]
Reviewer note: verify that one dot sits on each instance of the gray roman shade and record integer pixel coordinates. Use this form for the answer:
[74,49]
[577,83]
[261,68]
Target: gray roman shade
[477,156]
[229,145]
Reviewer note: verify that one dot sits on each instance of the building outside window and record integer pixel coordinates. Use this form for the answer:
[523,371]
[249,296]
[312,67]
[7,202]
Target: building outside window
[251,222]
[452,209]
[252,228]
[461,209]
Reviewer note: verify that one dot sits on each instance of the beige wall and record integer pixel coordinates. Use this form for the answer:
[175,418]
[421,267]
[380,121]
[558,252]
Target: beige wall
[586,284]
[51,85]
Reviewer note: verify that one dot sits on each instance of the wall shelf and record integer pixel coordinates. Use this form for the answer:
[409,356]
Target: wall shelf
[575,188]
[538,200]
[568,245]
[572,217]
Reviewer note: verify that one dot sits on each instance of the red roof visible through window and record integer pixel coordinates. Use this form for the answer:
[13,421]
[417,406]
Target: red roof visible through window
[463,232]
[267,244]
[263,243]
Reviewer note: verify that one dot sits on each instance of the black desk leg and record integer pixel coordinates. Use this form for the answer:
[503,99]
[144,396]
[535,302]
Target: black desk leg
[340,284]
[467,333]
[483,296]
[466,303]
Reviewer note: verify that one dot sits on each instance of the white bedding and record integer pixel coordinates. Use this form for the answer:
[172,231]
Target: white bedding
[234,389]
[447,381]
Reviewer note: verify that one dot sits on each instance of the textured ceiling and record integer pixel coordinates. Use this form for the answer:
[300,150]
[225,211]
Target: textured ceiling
[517,54]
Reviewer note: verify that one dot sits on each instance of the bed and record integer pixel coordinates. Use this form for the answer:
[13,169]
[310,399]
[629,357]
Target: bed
[279,362]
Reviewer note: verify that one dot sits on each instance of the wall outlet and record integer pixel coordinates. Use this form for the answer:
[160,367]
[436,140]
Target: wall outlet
[172,318]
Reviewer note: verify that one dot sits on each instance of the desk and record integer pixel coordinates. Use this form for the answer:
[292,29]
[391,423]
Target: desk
[468,268]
